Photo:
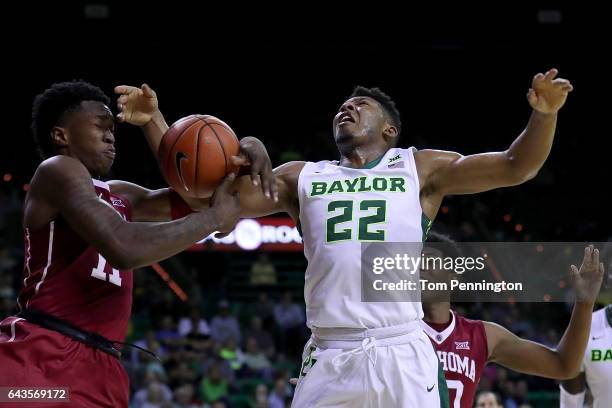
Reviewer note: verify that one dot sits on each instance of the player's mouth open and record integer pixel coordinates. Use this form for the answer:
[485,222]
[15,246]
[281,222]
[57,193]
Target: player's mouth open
[346,118]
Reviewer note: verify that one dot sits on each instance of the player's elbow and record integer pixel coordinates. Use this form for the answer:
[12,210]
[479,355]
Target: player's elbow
[518,172]
[567,371]
[120,256]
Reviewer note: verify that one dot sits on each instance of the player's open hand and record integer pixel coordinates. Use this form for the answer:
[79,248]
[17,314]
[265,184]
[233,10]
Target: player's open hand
[137,106]
[587,280]
[548,93]
[253,154]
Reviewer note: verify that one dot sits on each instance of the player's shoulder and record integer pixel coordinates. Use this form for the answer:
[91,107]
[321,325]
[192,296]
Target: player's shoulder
[59,167]
[464,322]
[289,169]
[58,173]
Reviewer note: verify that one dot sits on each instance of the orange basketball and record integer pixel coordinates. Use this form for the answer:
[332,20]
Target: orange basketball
[194,154]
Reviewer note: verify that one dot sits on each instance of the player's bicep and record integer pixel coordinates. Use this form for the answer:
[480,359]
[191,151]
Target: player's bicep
[453,173]
[66,185]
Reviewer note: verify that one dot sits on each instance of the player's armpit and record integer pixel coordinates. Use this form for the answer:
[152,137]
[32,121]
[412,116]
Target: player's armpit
[146,205]
[445,173]
[575,385]
[525,356]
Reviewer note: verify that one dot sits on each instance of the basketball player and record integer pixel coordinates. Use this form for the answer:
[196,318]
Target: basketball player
[360,353]
[83,237]
[465,346]
[596,370]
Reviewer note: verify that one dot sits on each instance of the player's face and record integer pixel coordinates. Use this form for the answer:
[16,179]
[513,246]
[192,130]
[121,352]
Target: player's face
[91,139]
[359,119]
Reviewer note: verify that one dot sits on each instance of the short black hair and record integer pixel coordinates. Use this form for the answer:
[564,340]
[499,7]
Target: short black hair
[450,245]
[385,101]
[49,107]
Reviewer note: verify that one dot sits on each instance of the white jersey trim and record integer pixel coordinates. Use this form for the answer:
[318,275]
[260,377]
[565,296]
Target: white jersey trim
[49,257]
[439,337]
[13,329]
[101,184]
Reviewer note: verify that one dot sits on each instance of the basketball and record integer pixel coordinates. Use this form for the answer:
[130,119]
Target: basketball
[194,154]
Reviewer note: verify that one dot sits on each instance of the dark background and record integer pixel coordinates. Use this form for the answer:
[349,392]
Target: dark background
[459,76]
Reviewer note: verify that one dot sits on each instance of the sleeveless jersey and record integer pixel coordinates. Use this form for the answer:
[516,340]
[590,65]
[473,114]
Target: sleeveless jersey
[340,208]
[462,350]
[66,277]
[597,363]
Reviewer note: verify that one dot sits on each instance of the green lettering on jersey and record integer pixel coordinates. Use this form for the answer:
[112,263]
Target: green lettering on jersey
[336,187]
[379,184]
[318,188]
[595,355]
[362,184]
[608,356]
[350,185]
[397,183]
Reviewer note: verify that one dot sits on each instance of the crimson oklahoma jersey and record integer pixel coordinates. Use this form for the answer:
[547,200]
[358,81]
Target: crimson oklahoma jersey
[66,277]
[462,350]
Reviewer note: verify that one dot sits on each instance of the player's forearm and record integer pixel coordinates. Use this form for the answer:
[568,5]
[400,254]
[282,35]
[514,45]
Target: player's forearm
[573,343]
[530,150]
[143,243]
[154,131]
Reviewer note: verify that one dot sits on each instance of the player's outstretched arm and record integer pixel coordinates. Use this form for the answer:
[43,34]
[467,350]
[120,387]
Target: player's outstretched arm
[140,107]
[443,172]
[564,362]
[65,185]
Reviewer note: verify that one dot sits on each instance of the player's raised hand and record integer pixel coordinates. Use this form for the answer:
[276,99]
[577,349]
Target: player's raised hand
[253,154]
[587,280]
[548,93]
[136,105]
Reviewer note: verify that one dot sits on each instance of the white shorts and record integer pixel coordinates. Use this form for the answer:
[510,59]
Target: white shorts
[387,367]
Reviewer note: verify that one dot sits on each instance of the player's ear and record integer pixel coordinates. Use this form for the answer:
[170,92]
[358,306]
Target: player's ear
[390,134]
[59,136]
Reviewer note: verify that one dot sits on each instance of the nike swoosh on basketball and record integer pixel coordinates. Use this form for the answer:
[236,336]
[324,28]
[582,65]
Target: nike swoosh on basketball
[179,157]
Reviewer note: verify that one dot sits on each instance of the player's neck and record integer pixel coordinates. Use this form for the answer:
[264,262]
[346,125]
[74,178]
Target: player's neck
[609,314]
[359,157]
[437,312]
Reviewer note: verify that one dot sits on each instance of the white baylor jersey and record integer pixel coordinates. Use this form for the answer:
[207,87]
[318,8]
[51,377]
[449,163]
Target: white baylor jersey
[597,363]
[342,207]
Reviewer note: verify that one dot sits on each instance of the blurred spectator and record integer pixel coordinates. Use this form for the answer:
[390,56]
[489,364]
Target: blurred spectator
[150,343]
[232,354]
[187,324]
[224,326]
[261,396]
[184,396]
[264,309]
[290,319]
[264,339]
[263,271]
[279,394]
[167,333]
[255,360]
[182,373]
[488,399]
[153,394]
[214,386]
